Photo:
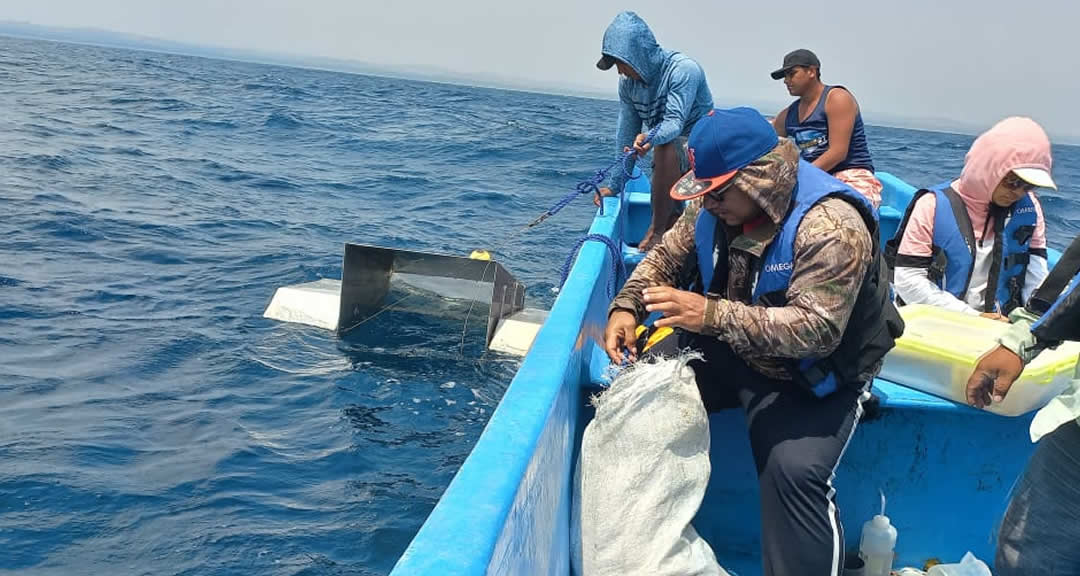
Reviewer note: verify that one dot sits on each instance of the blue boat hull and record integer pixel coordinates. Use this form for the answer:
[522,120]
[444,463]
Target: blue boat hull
[946,469]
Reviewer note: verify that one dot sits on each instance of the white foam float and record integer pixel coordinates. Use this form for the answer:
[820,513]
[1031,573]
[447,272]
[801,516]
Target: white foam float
[341,305]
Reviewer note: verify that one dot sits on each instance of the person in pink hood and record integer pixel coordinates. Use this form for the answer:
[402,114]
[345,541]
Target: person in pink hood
[978,244]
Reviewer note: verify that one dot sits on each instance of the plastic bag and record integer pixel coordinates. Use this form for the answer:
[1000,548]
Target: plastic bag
[969,566]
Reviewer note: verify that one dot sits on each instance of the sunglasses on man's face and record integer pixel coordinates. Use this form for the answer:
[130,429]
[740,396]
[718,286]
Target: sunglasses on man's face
[719,192]
[1014,182]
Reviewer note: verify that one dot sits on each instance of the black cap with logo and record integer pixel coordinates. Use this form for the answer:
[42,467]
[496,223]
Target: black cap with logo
[800,57]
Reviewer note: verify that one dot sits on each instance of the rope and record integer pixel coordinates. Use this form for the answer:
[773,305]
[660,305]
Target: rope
[617,264]
[592,185]
[584,187]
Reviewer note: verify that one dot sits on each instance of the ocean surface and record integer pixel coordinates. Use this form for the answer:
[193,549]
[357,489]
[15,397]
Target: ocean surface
[151,421]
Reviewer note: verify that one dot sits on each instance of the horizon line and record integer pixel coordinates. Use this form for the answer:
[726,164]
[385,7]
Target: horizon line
[419,73]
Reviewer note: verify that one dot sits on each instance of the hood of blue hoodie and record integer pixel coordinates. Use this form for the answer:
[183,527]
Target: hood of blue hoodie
[629,39]
[670,97]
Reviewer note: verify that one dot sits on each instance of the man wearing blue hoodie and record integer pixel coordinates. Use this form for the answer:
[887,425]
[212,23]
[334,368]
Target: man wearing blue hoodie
[657,87]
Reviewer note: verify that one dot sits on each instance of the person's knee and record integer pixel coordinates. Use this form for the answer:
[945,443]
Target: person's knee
[790,470]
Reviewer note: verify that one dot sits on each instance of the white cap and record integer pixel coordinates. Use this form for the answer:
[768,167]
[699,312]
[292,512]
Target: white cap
[1035,177]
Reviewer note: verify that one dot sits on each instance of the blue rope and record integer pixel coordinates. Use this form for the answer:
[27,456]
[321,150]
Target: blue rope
[592,185]
[617,264]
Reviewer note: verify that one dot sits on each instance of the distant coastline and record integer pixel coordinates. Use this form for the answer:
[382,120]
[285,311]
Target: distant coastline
[122,40]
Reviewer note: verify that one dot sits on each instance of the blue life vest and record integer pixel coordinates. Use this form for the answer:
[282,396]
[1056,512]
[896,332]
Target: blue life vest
[954,241]
[874,324]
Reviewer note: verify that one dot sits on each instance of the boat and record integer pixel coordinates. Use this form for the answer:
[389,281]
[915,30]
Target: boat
[945,468]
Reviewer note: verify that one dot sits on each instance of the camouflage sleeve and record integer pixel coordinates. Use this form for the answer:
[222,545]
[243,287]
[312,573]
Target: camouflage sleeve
[661,265]
[832,253]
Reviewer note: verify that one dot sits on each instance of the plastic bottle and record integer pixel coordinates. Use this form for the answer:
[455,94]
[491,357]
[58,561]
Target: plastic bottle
[876,548]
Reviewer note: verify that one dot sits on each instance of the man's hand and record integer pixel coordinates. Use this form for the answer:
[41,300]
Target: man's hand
[995,316]
[640,146]
[993,376]
[620,334]
[681,309]
[598,197]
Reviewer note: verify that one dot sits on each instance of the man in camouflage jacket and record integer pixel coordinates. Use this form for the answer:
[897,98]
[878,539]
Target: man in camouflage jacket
[798,360]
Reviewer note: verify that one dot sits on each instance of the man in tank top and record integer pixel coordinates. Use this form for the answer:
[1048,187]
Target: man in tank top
[826,124]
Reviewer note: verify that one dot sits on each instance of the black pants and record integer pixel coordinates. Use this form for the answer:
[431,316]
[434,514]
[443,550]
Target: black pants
[797,440]
[1040,534]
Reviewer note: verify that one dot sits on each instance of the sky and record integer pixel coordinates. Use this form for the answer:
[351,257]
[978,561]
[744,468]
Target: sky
[945,64]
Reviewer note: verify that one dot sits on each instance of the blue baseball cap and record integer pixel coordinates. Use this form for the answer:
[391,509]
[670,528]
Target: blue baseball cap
[722,143]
